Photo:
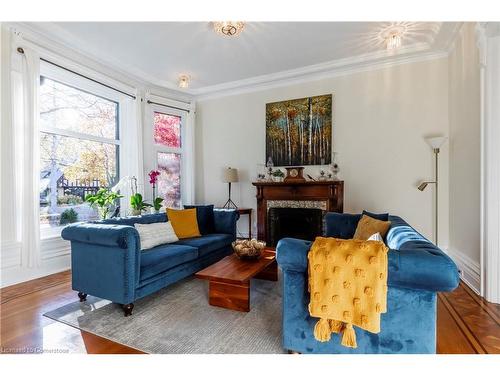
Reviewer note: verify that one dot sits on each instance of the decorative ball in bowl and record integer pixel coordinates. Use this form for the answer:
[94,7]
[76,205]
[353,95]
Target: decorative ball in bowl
[248,249]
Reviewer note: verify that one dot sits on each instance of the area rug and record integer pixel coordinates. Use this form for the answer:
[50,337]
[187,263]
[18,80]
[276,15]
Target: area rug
[178,319]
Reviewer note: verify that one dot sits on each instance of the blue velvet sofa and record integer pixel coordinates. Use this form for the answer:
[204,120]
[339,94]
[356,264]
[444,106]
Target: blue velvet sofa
[417,270]
[107,261]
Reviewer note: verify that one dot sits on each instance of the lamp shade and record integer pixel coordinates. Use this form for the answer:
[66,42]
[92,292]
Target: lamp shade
[436,142]
[230,175]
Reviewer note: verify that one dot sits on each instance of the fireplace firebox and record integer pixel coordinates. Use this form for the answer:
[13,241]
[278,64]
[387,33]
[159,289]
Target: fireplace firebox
[302,223]
[327,196]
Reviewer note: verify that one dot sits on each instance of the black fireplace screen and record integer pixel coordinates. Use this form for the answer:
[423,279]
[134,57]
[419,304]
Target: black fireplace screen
[302,223]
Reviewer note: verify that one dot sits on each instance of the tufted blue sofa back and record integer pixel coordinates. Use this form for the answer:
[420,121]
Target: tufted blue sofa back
[399,237]
[341,225]
[131,220]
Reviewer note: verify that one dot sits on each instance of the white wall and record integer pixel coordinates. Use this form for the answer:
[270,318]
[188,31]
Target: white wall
[380,120]
[465,162]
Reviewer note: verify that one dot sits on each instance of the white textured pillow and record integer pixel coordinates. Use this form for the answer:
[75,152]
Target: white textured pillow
[375,237]
[155,234]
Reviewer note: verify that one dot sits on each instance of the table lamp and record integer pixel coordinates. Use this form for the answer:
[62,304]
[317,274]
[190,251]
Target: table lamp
[230,175]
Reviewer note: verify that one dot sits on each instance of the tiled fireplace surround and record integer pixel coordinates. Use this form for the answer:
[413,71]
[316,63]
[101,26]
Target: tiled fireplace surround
[326,196]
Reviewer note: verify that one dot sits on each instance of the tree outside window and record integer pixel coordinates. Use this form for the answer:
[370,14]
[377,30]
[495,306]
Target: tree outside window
[78,151]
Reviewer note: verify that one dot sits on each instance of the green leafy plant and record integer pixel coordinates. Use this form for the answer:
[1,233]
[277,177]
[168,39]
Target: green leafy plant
[68,216]
[278,173]
[157,203]
[103,199]
[137,203]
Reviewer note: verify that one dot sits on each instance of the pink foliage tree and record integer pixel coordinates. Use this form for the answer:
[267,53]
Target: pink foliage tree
[167,130]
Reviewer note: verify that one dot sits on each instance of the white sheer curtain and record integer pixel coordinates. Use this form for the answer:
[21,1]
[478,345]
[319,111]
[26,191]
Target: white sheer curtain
[25,115]
[190,153]
[131,156]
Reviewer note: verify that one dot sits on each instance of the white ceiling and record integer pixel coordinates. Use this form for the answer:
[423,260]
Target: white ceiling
[157,52]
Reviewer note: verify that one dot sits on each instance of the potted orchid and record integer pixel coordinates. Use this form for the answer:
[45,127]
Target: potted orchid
[157,201]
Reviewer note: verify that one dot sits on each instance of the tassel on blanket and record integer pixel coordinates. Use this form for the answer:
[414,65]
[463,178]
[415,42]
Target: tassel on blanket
[349,336]
[322,330]
[335,325]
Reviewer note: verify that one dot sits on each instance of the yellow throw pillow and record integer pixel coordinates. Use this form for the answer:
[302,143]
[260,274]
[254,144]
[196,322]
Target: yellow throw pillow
[368,226]
[184,222]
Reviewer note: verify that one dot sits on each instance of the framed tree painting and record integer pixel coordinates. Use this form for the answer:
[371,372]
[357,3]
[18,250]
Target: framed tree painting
[299,131]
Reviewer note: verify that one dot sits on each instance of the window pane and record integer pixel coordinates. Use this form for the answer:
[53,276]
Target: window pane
[70,169]
[167,130]
[67,108]
[169,181]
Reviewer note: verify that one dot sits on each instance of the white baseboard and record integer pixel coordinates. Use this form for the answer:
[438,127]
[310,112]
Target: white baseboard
[469,269]
[10,254]
[55,257]
[17,275]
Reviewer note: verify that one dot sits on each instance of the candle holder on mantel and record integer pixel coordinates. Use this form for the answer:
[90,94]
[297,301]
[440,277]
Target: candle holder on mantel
[334,167]
[270,166]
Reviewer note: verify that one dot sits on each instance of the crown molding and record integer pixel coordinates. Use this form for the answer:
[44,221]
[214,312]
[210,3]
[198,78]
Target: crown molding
[68,40]
[305,75]
[88,57]
[87,54]
[316,68]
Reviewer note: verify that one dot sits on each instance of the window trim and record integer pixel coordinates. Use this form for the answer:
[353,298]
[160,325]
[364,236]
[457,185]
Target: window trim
[157,148]
[76,82]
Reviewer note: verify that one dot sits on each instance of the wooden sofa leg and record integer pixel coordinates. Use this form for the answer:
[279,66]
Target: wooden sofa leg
[127,309]
[292,352]
[82,296]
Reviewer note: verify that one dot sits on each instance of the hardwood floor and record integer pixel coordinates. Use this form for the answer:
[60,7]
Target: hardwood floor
[473,323]
[466,323]
[23,328]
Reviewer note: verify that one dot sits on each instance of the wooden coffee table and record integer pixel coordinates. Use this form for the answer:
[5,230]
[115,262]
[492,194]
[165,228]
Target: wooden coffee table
[229,279]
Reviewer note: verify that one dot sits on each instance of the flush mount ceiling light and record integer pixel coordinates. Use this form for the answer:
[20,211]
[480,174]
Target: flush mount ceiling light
[229,28]
[393,36]
[183,81]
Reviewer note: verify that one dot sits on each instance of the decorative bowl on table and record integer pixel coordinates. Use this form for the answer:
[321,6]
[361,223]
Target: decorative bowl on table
[248,249]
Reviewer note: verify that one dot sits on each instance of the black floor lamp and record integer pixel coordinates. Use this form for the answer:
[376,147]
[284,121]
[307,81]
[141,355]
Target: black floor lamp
[230,175]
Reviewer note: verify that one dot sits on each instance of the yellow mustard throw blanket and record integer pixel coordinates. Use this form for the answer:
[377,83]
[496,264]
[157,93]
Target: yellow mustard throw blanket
[348,286]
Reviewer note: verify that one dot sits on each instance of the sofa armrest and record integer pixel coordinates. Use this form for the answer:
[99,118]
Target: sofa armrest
[425,269]
[102,234]
[291,254]
[105,260]
[225,221]
[422,269]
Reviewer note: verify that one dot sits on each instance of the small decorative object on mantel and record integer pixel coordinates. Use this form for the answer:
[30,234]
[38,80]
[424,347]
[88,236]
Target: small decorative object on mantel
[334,168]
[248,249]
[278,175]
[261,172]
[270,166]
[322,175]
[294,174]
